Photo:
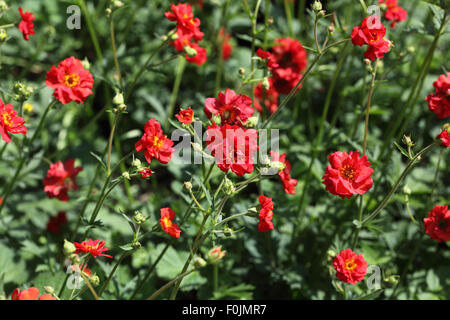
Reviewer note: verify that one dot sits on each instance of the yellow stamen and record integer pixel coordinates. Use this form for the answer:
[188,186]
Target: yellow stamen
[71,80]
[347,172]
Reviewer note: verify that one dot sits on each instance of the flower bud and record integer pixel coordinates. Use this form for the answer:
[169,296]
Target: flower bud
[383,7]
[138,217]
[191,52]
[252,122]
[392,280]
[126,175]
[266,83]
[411,49]
[252,212]
[94,280]
[321,13]
[217,119]
[199,262]
[188,185]
[241,71]
[215,255]
[49,290]
[406,190]
[74,258]
[69,248]
[367,62]
[227,231]
[118,99]
[86,64]
[331,30]
[407,140]
[137,163]
[3,7]
[22,92]
[228,186]
[447,127]
[3,35]
[317,6]
[331,253]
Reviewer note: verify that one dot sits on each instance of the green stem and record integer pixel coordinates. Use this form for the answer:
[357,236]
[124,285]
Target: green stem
[175,90]
[168,284]
[113,45]
[124,254]
[110,142]
[369,100]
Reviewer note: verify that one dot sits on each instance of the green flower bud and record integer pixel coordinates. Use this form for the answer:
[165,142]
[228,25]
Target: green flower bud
[331,253]
[266,83]
[22,92]
[191,52]
[126,175]
[69,248]
[74,258]
[137,163]
[94,280]
[241,71]
[3,6]
[252,212]
[317,6]
[199,262]
[406,190]
[139,218]
[86,64]
[217,119]
[49,290]
[228,186]
[392,280]
[3,35]
[188,185]
[118,99]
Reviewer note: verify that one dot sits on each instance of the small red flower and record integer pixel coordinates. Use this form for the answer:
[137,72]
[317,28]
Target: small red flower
[371,32]
[70,80]
[167,216]
[234,109]
[444,136]
[265,214]
[350,267]
[30,294]
[224,40]
[271,97]
[54,223]
[289,184]
[437,224]
[95,248]
[348,174]
[233,147]
[146,173]
[394,12]
[185,116]
[154,143]
[262,54]
[60,179]
[439,102]
[182,14]
[26,25]
[9,122]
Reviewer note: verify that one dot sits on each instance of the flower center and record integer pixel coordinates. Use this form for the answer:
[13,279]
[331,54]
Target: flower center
[7,119]
[157,142]
[350,265]
[167,222]
[347,172]
[71,80]
[442,224]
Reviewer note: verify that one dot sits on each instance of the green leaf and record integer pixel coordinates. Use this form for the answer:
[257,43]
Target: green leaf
[432,281]
[97,157]
[372,295]
[402,150]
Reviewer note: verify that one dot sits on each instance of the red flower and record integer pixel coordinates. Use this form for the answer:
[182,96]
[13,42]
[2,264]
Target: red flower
[289,184]
[445,138]
[265,214]
[287,62]
[200,58]
[154,143]
[95,248]
[439,102]
[233,147]
[26,25]
[60,179]
[350,267]
[437,224]
[146,173]
[348,174]
[371,32]
[9,122]
[262,54]
[30,294]
[54,223]
[185,116]
[182,14]
[271,97]
[167,216]
[234,109]
[70,80]
[394,12]
[224,40]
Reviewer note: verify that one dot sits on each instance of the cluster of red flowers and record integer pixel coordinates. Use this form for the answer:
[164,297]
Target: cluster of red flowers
[265,214]
[30,294]
[188,33]
[94,248]
[437,224]
[154,143]
[372,32]
[439,101]
[71,81]
[10,122]
[26,26]
[54,223]
[350,267]
[394,12]
[167,216]
[444,136]
[60,179]
[286,62]
[348,174]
